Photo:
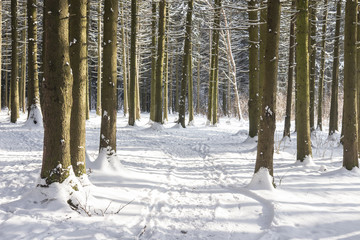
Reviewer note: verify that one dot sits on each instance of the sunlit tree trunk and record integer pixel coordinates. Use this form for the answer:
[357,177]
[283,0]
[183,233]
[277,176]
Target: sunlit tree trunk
[14,87]
[22,87]
[109,93]
[265,149]
[153,60]
[350,140]
[99,69]
[302,81]
[133,63]
[312,59]
[57,91]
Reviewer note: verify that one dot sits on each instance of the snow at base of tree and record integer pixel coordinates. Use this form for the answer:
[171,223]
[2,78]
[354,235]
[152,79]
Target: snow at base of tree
[261,180]
[308,162]
[35,117]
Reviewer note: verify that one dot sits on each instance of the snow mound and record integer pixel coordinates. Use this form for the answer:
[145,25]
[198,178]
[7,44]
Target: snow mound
[261,180]
[191,123]
[107,164]
[308,162]
[355,172]
[35,119]
[157,126]
[253,140]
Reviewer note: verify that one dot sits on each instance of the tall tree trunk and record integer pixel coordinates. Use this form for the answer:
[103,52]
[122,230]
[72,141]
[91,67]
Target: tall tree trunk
[160,63]
[153,60]
[88,83]
[133,63]
[290,73]
[198,81]
[14,64]
[109,96]
[312,59]
[333,124]
[262,48]
[322,67]
[166,69]
[78,22]
[253,69]
[124,57]
[265,149]
[177,94]
[57,91]
[186,64]
[302,81]
[171,83]
[1,53]
[190,87]
[33,82]
[22,91]
[350,140]
[99,69]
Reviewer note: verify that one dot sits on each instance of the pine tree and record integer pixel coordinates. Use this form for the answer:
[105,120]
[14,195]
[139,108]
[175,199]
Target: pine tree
[78,42]
[262,48]
[186,63]
[290,73]
[57,87]
[33,82]
[124,62]
[350,126]
[302,81]
[109,98]
[253,69]
[133,64]
[265,149]
[312,54]
[99,69]
[333,123]
[1,53]
[153,60]
[14,86]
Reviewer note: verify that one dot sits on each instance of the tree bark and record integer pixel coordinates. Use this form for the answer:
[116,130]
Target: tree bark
[312,54]
[14,86]
[265,149]
[133,63]
[99,69]
[109,93]
[350,140]
[57,91]
[153,60]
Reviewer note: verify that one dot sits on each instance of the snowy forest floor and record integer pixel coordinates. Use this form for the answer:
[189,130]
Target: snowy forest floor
[176,183]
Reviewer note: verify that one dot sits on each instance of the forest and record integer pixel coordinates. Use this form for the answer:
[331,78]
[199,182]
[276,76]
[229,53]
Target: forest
[169,119]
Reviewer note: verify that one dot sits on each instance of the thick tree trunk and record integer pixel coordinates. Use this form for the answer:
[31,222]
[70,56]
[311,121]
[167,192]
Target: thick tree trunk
[133,63]
[312,59]
[333,124]
[290,74]
[109,93]
[99,69]
[1,53]
[57,91]
[350,140]
[78,22]
[265,149]
[253,69]
[302,81]
[14,87]
[262,47]
[322,67]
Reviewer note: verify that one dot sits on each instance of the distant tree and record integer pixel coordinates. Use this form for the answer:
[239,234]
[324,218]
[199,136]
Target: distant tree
[153,60]
[265,149]
[109,97]
[1,53]
[312,58]
[350,127]
[78,56]
[133,63]
[14,64]
[333,123]
[253,68]
[57,93]
[302,81]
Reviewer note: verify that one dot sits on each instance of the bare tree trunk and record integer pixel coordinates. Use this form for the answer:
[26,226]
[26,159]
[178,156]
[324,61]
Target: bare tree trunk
[14,64]
[99,73]
[133,63]
[312,59]
[153,61]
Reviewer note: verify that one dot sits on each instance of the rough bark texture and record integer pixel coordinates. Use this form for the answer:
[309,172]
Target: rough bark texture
[133,63]
[109,98]
[160,63]
[302,82]
[186,63]
[153,61]
[98,95]
[322,67]
[290,74]
[14,86]
[22,87]
[1,52]
[350,140]
[333,123]
[265,150]
[253,68]
[312,59]
[262,48]
[124,65]
[57,90]
[78,21]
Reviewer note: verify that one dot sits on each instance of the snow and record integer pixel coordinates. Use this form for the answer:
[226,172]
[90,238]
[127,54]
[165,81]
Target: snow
[167,182]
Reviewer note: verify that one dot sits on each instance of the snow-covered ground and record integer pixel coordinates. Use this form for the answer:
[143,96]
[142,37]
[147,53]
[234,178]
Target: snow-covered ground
[175,183]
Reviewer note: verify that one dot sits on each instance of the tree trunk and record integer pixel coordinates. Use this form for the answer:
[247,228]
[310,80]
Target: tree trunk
[262,47]
[1,53]
[290,74]
[302,82]
[57,91]
[124,57]
[333,124]
[133,63]
[312,54]
[14,65]
[190,86]
[88,83]
[322,67]
[23,70]
[153,61]
[253,69]
[186,63]
[98,96]
[33,82]
[265,149]
[350,140]
[78,22]
[109,93]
